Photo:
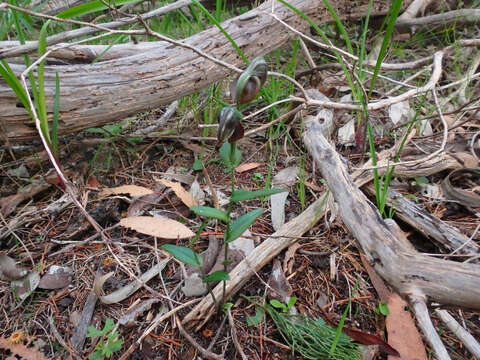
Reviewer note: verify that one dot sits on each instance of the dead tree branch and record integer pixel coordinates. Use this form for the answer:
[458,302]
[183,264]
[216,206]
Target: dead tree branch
[101,93]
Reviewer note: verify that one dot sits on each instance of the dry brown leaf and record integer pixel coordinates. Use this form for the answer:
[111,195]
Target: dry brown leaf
[9,270]
[56,277]
[9,204]
[132,190]
[247,166]
[21,350]
[402,332]
[129,318]
[469,161]
[313,186]
[182,194]
[278,286]
[159,227]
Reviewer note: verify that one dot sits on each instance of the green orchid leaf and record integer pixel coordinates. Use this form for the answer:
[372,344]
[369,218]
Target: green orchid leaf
[216,276]
[183,254]
[210,212]
[241,195]
[241,224]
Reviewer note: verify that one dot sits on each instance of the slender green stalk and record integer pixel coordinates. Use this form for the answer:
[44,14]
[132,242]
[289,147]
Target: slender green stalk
[233,147]
[391,19]
[56,114]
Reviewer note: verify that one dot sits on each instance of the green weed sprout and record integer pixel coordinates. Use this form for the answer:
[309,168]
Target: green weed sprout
[230,130]
[105,347]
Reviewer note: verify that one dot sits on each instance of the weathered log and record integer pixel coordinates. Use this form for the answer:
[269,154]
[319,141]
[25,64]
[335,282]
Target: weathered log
[409,272]
[101,93]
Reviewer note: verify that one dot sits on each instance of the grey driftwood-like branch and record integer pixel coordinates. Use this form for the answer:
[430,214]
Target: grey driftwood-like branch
[408,271]
[416,276]
[106,92]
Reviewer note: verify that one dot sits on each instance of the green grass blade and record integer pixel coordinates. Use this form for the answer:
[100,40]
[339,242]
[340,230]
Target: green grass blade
[8,22]
[56,113]
[376,180]
[338,331]
[391,18]
[41,103]
[12,81]
[218,10]
[119,39]
[321,33]
[219,26]
[91,7]
[21,38]
[363,41]
[339,24]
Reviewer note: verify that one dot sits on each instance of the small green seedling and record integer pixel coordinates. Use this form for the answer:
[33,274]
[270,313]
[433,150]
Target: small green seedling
[382,308]
[105,347]
[284,307]
[257,177]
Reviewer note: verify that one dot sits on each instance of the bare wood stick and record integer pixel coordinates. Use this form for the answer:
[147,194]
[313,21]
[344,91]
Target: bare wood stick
[430,226]
[88,29]
[205,353]
[436,73]
[455,17]
[158,319]
[465,337]
[425,323]
[414,8]
[234,335]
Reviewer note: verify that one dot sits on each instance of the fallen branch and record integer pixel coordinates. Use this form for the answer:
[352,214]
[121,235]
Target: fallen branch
[414,275]
[446,19]
[467,339]
[408,271]
[110,91]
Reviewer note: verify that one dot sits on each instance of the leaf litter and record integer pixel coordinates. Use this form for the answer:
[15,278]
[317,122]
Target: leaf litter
[135,249]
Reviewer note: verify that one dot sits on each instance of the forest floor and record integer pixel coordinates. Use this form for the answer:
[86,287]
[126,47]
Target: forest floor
[42,229]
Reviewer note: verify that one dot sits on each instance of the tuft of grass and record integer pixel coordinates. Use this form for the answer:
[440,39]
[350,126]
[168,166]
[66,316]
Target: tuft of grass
[313,339]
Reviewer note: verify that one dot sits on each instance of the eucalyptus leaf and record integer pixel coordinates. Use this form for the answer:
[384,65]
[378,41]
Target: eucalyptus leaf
[241,195]
[210,212]
[183,254]
[239,226]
